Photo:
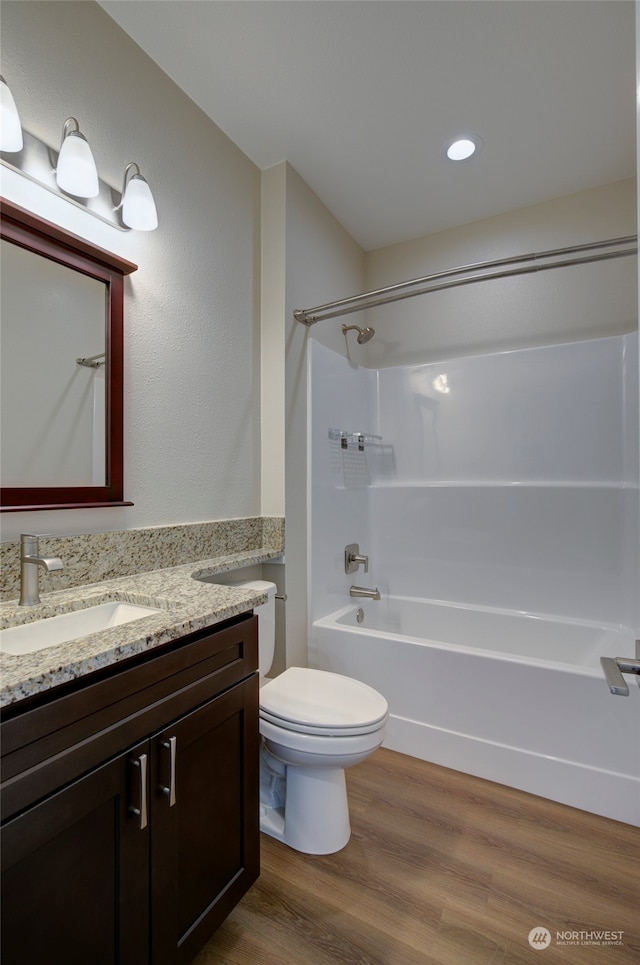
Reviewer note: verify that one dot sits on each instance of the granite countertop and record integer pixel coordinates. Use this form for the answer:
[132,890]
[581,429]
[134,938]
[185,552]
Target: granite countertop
[186,605]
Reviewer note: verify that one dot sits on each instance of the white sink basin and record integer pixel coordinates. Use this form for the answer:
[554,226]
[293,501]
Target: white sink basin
[68,626]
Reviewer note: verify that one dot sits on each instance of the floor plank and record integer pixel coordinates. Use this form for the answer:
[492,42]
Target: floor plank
[442,869]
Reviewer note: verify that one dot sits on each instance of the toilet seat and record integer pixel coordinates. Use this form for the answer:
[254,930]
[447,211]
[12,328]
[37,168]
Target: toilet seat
[342,750]
[295,727]
[319,703]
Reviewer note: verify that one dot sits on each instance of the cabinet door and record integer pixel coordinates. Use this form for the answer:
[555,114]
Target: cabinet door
[75,873]
[205,821]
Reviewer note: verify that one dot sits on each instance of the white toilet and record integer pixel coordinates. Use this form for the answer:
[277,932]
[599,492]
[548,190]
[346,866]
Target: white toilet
[313,725]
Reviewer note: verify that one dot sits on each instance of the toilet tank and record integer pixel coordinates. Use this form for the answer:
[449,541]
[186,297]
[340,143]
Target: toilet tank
[266,622]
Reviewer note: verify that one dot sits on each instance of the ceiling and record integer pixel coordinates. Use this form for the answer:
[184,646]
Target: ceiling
[361,96]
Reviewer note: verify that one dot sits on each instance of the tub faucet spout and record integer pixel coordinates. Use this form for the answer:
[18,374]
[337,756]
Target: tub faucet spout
[363,591]
[30,563]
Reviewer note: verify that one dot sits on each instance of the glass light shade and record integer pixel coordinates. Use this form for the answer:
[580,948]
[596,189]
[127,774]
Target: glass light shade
[76,172]
[10,127]
[138,206]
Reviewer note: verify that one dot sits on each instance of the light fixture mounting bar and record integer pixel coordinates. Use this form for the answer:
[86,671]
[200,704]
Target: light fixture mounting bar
[37,162]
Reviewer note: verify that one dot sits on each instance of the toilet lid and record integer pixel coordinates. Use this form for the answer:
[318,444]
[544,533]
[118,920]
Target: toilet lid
[318,702]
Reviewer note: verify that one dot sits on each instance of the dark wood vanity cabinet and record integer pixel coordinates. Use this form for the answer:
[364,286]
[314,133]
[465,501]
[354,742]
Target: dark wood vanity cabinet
[74,875]
[199,846]
[130,807]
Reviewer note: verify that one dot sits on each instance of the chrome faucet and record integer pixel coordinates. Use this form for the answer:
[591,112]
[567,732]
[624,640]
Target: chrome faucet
[363,591]
[30,561]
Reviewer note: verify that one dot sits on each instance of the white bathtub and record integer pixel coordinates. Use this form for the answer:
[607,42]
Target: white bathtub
[512,697]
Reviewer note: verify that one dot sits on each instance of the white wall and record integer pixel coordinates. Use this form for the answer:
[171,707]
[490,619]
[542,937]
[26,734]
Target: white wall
[579,302]
[192,375]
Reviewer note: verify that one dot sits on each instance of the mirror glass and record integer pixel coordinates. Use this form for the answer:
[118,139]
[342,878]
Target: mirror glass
[61,388]
[53,415]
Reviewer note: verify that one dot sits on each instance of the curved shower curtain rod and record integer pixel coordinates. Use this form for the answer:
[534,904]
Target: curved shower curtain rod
[394,293]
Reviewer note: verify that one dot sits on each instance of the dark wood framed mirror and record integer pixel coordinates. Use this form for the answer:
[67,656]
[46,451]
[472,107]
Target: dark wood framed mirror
[60,287]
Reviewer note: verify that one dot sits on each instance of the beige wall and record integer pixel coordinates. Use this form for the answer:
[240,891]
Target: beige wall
[554,306]
[272,386]
[637,8]
[192,367]
[320,261]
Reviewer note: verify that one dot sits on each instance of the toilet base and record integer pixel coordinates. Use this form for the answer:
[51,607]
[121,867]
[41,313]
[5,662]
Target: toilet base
[315,816]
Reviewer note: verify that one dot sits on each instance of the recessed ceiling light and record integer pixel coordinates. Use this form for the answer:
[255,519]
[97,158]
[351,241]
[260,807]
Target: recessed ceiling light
[463,148]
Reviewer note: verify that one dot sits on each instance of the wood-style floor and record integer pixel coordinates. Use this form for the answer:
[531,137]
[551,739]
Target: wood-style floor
[441,869]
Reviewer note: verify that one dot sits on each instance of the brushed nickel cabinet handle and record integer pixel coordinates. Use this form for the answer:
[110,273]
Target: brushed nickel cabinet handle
[170,791]
[142,811]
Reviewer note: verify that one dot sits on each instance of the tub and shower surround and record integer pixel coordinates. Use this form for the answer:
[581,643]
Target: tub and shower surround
[517,480]
[506,480]
[509,486]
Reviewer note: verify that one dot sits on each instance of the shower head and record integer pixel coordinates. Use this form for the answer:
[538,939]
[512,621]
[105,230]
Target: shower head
[364,334]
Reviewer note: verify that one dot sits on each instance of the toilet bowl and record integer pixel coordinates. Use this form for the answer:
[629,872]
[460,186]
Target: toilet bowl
[313,725]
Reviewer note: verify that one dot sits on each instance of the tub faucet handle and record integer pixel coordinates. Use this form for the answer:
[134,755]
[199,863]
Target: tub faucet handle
[353,559]
[614,667]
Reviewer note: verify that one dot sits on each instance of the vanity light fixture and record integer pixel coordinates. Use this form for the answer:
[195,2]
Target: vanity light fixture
[10,126]
[76,171]
[72,174]
[138,208]
[463,148]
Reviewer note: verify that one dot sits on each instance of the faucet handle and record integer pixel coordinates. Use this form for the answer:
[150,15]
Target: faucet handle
[353,559]
[31,539]
[28,543]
